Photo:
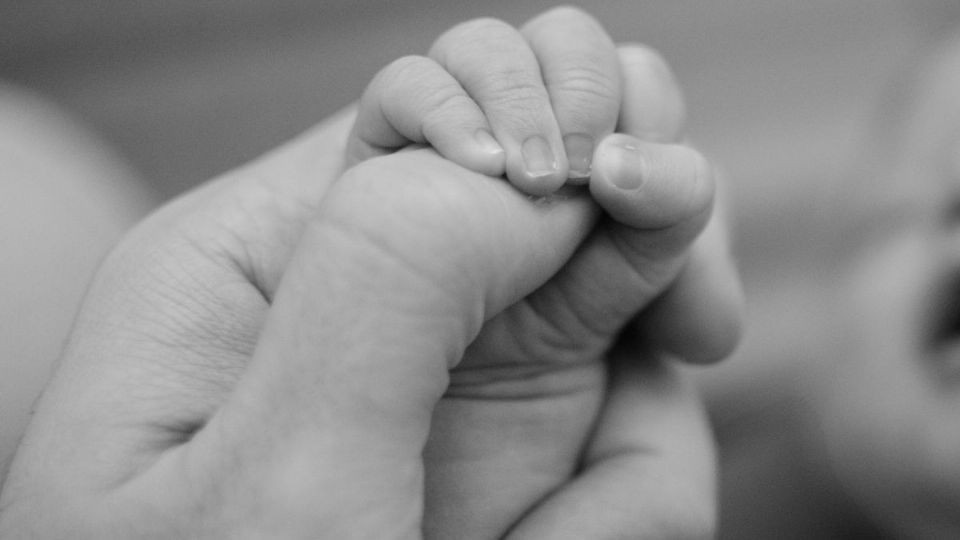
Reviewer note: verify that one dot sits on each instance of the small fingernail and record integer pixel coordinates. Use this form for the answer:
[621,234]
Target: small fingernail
[579,147]
[487,144]
[538,158]
[625,163]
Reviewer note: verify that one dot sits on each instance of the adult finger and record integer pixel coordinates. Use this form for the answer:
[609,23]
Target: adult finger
[364,327]
[167,327]
[496,66]
[414,100]
[161,436]
[649,471]
[580,68]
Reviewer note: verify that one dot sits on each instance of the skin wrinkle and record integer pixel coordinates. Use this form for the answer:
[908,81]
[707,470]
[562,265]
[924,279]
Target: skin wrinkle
[435,117]
[205,331]
[600,331]
[201,341]
[442,292]
[534,382]
[509,84]
[250,253]
[370,235]
[588,84]
[209,366]
[395,70]
[508,89]
[441,201]
[529,304]
[637,259]
[579,77]
[240,254]
[472,36]
[440,99]
[294,340]
[560,339]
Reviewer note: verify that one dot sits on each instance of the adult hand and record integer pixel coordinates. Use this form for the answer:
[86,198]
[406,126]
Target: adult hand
[262,357]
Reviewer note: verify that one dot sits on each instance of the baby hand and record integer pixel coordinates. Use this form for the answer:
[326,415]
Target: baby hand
[529,103]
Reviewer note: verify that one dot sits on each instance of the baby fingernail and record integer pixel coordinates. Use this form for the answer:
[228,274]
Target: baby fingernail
[538,158]
[624,164]
[579,147]
[488,145]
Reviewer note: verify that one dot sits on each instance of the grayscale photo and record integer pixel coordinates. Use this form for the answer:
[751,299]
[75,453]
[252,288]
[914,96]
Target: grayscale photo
[502,270]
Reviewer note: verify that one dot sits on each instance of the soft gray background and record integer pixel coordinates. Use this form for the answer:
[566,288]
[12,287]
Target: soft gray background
[777,89]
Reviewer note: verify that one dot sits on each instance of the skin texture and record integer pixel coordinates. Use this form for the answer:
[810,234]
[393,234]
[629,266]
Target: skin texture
[545,99]
[149,362]
[269,356]
[532,385]
[60,216]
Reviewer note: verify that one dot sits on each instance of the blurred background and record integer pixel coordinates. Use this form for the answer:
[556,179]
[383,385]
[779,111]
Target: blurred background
[779,92]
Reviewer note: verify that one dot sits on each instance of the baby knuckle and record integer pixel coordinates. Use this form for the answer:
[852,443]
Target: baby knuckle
[470,36]
[514,89]
[585,82]
[446,100]
[406,68]
[450,108]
